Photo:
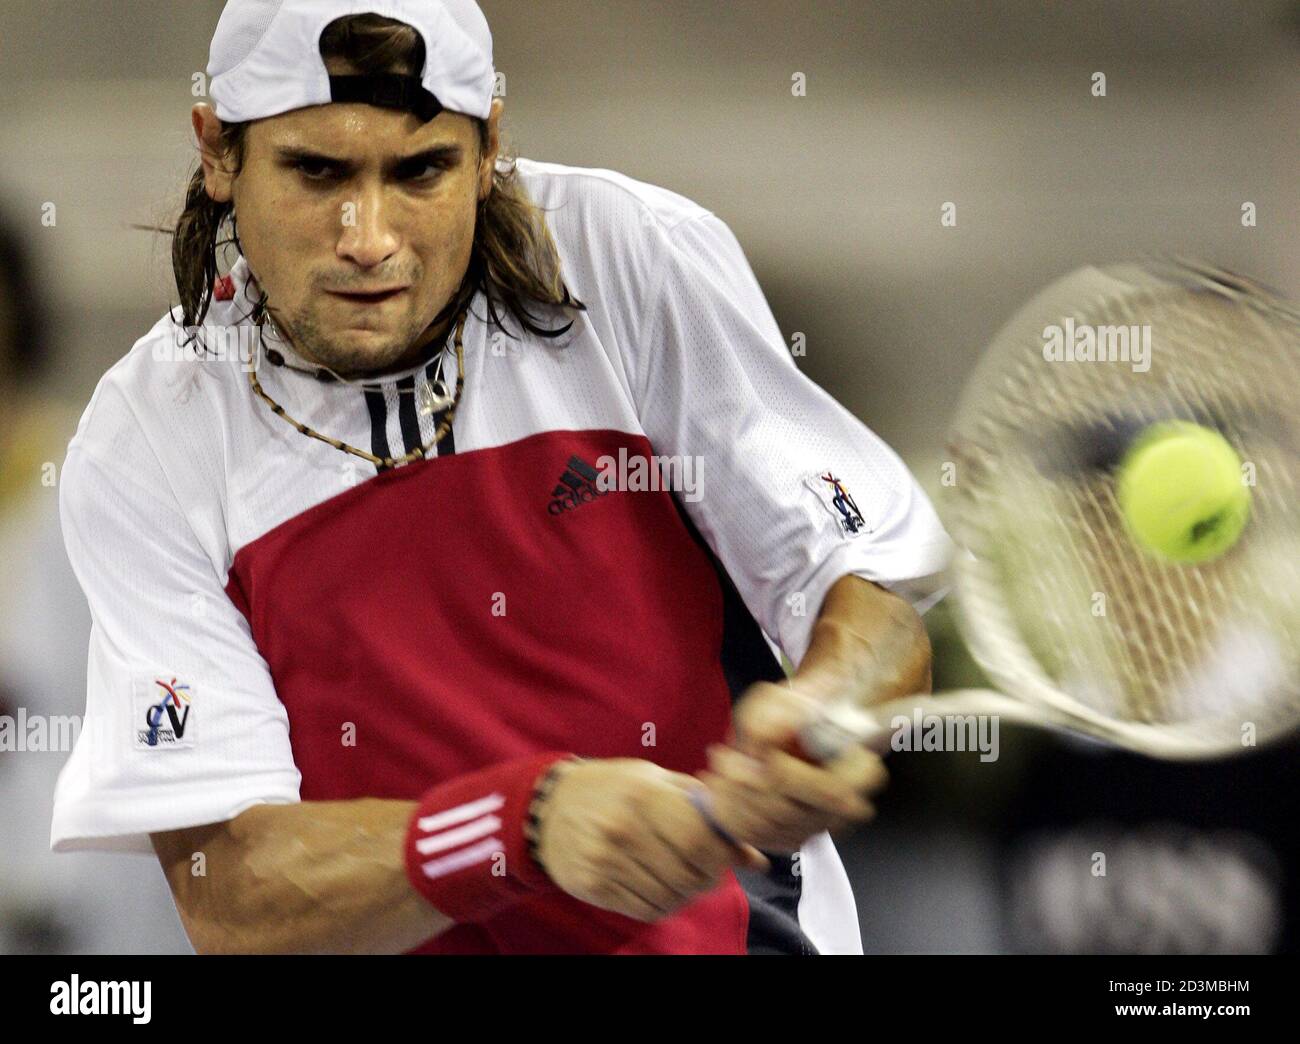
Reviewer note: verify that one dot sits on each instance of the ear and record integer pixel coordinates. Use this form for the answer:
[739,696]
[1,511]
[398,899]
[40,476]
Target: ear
[487,166]
[217,178]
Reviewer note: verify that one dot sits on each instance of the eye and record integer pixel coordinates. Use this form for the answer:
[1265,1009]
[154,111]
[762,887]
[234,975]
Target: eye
[316,170]
[422,171]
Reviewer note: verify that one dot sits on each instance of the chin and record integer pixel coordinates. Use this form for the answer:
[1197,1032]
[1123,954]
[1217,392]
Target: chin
[355,356]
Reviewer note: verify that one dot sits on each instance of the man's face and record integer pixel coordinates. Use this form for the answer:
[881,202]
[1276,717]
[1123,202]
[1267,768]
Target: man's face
[337,203]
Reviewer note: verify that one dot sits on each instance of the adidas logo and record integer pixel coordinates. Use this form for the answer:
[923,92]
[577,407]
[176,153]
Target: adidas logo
[577,486]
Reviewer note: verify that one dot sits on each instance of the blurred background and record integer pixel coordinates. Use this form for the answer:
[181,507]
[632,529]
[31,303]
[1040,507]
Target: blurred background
[835,193]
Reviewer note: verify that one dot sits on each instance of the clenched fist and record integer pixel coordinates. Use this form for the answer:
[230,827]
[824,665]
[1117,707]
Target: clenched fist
[769,798]
[622,834]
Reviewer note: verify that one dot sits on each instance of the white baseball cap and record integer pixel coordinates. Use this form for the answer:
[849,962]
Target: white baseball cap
[265,59]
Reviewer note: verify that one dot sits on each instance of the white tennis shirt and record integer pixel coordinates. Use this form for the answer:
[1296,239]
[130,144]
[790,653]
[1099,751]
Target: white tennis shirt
[276,621]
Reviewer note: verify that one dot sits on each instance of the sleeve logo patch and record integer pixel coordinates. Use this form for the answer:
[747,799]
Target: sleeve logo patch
[161,719]
[833,493]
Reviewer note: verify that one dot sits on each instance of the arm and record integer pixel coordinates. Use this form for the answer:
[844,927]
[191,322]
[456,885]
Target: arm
[859,621]
[331,876]
[867,644]
[314,877]
[275,874]
[802,501]
[865,640]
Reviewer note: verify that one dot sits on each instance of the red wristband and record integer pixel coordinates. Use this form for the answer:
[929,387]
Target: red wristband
[466,849]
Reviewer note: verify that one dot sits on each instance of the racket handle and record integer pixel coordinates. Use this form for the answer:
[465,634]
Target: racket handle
[839,727]
[846,723]
[702,799]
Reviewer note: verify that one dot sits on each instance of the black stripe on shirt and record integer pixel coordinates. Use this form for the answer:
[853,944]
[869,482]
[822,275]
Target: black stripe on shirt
[407,415]
[378,422]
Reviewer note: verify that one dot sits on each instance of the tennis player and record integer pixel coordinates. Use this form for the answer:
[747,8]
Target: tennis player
[436,541]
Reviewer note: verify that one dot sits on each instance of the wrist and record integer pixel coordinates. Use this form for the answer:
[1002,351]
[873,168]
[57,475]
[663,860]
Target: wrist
[467,850]
[538,807]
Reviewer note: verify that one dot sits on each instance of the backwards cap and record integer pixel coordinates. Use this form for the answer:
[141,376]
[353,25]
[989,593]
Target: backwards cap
[265,59]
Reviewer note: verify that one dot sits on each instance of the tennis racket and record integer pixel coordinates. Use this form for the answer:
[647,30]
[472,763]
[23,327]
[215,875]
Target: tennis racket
[1077,627]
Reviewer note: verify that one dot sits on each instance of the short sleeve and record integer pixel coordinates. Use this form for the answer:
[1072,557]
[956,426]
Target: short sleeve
[794,492]
[182,725]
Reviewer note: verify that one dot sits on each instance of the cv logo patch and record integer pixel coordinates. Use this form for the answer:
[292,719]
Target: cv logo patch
[162,715]
[832,492]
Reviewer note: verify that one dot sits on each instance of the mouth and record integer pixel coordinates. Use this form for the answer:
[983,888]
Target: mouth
[373,297]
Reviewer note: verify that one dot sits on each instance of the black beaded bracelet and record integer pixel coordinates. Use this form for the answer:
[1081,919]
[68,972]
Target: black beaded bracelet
[542,791]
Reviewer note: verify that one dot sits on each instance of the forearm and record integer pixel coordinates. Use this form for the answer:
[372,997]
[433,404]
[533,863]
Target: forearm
[867,645]
[865,637]
[314,877]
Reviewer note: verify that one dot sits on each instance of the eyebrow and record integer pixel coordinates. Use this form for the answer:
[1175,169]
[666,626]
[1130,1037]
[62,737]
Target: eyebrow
[449,154]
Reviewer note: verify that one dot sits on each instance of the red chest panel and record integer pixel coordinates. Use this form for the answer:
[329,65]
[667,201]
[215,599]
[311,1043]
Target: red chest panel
[457,612]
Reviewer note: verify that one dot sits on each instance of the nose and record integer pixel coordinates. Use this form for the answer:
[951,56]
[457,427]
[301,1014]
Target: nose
[367,238]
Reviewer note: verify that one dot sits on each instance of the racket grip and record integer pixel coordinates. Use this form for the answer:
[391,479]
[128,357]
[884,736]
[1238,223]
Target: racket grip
[837,728]
[703,802]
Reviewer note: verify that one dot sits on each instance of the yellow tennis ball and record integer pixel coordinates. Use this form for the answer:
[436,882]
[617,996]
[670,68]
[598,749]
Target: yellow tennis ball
[1182,493]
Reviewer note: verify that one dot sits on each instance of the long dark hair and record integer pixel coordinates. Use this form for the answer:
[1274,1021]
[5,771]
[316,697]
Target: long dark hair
[514,260]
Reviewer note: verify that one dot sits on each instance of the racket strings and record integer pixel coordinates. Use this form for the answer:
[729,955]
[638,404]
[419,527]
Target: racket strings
[1107,625]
